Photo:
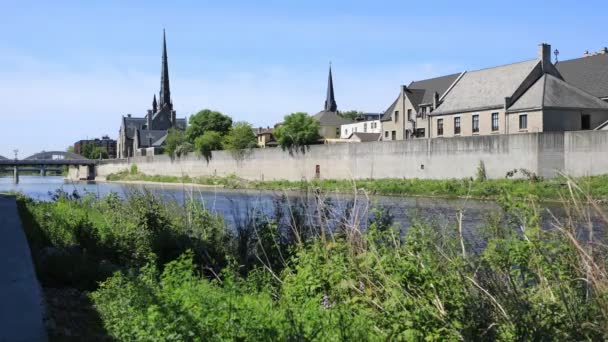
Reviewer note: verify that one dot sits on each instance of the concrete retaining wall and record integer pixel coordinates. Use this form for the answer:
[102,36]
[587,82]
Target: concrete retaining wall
[577,153]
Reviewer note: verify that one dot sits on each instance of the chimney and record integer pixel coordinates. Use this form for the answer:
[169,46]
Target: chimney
[544,54]
[586,54]
[435,100]
[149,119]
[128,115]
[603,51]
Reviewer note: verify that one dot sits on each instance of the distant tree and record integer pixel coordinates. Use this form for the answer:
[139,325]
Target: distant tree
[350,114]
[209,141]
[240,140]
[174,139]
[297,131]
[183,149]
[207,120]
[70,149]
[90,151]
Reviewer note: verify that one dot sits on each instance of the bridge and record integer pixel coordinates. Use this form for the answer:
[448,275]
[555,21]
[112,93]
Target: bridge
[48,161]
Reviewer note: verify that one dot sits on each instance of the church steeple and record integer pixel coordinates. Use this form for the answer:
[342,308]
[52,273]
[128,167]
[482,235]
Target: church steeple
[154,105]
[330,101]
[165,92]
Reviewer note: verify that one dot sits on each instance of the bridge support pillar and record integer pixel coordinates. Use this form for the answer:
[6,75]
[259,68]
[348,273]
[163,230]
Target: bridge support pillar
[16,175]
[43,172]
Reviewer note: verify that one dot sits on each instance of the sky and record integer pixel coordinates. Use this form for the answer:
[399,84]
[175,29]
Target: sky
[69,70]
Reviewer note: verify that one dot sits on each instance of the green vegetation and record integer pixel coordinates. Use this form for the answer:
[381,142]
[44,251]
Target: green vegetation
[176,272]
[297,131]
[90,151]
[542,189]
[208,142]
[174,141]
[350,114]
[207,120]
[240,140]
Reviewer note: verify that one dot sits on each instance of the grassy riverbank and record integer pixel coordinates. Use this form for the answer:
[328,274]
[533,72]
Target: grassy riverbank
[166,271]
[542,189]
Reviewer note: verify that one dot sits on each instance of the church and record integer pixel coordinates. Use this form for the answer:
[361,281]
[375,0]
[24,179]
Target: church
[142,136]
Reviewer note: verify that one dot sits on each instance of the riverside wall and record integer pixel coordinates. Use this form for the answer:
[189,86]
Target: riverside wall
[576,153]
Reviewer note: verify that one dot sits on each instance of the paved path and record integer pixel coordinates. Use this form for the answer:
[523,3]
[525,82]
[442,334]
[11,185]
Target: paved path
[21,309]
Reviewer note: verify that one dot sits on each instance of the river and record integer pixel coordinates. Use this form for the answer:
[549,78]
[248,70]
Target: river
[234,204]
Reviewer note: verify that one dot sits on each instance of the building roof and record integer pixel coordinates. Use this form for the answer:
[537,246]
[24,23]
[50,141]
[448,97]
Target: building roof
[364,137]
[3,158]
[132,124]
[432,85]
[330,119]
[151,138]
[587,73]
[551,92]
[486,88]
[389,111]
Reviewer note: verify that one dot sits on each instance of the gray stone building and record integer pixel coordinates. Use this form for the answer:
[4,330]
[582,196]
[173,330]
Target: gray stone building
[138,135]
[537,95]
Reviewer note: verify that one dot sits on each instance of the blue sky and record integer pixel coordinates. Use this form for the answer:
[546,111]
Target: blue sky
[70,69]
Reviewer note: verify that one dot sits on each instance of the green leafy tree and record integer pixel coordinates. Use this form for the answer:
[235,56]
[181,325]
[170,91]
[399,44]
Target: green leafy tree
[207,120]
[174,139]
[70,149]
[350,114]
[90,151]
[209,141]
[297,131]
[240,140]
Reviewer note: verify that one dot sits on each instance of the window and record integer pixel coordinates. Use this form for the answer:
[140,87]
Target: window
[475,123]
[494,121]
[409,114]
[457,125]
[345,132]
[586,121]
[420,133]
[337,132]
[394,135]
[386,134]
[423,110]
[439,126]
[365,127]
[523,121]
[396,116]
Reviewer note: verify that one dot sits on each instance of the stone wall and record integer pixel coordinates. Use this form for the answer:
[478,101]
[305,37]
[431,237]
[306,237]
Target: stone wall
[546,154]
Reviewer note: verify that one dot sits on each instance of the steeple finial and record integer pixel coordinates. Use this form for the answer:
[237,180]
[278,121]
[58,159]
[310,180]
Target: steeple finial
[330,101]
[165,92]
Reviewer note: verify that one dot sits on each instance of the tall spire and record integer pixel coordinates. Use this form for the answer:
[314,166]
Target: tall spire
[165,92]
[330,101]
[154,105]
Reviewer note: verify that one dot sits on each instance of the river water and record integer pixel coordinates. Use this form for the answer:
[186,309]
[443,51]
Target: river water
[234,204]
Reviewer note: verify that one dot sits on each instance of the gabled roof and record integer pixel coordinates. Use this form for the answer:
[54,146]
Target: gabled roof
[331,119]
[551,92]
[151,138]
[432,85]
[364,137]
[421,92]
[587,73]
[486,88]
[131,125]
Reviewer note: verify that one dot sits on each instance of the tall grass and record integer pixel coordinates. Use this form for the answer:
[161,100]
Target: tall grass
[311,272]
[480,187]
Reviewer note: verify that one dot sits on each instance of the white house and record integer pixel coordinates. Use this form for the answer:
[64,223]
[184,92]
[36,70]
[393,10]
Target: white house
[374,126]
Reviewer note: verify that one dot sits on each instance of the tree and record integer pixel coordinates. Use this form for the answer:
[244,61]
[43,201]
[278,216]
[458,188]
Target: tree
[350,114]
[90,151]
[209,141]
[207,120]
[240,140]
[70,149]
[175,138]
[297,131]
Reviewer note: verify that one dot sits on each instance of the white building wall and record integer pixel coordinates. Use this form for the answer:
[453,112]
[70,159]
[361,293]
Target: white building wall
[374,126]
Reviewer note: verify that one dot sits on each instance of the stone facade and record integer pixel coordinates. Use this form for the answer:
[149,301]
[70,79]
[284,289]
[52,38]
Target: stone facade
[137,135]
